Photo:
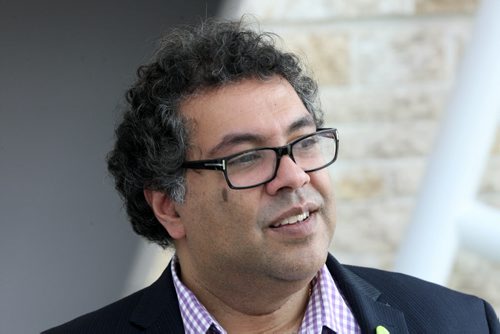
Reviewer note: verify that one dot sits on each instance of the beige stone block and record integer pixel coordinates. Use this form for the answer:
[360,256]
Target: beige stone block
[363,8]
[359,182]
[445,6]
[407,176]
[326,53]
[382,105]
[367,258]
[385,140]
[391,56]
[476,275]
[369,231]
[457,37]
[298,10]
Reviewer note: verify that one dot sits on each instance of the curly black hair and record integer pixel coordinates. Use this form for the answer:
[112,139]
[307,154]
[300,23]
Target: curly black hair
[152,139]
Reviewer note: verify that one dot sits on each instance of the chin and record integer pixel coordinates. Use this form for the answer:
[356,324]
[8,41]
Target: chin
[306,266]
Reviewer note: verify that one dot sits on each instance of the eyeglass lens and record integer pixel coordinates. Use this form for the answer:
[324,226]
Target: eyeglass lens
[259,166]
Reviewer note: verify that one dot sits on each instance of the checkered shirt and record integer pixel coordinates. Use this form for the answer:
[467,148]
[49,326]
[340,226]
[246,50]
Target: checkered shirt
[327,312]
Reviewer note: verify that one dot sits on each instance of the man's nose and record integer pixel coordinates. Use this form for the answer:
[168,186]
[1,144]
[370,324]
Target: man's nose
[289,175]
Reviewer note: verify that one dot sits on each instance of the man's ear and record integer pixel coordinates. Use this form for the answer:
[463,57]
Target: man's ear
[164,209]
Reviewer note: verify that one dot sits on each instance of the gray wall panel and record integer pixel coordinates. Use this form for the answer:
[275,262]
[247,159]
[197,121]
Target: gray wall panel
[65,244]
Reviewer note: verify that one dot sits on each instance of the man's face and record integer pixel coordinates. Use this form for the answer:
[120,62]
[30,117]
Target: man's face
[234,232]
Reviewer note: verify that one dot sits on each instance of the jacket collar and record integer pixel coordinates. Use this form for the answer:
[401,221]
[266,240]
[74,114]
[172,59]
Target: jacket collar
[366,302]
[159,304]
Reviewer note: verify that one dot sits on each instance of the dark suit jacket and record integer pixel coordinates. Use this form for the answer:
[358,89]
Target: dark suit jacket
[400,303]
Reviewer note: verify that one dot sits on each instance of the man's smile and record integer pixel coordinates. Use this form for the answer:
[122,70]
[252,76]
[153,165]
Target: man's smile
[292,220]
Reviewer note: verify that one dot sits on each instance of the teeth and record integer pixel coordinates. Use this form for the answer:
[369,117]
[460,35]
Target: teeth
[293,219]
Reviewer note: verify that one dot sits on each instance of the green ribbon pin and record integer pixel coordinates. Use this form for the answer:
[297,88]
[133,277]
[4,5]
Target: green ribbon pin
[381,330]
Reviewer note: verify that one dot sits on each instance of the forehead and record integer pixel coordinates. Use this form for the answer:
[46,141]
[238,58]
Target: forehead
[265,108]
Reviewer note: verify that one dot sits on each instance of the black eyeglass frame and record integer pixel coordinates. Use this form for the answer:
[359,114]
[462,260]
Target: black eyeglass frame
[220,163]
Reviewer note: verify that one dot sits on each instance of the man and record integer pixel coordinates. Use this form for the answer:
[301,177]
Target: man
[222,154]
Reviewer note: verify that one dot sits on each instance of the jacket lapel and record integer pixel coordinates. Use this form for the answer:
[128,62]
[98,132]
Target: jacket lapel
[366,302]
[158,306]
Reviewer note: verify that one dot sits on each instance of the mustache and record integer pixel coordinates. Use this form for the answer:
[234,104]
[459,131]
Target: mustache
[286,200]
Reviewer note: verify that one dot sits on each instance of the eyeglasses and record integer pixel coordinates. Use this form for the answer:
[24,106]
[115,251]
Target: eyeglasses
[255,167]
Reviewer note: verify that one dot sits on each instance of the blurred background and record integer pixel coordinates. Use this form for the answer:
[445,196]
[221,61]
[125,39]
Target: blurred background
[65,245]
[386,68]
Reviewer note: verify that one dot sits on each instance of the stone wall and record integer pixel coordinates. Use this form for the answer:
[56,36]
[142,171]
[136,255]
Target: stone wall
[385,68]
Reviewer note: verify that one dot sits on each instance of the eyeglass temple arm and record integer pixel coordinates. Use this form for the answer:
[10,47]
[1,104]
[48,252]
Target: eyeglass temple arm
[207,164]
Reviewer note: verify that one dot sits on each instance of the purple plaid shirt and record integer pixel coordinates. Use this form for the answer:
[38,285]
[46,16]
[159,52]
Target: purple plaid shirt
[327,312]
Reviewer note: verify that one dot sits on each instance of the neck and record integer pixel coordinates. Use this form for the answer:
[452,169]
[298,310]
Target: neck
[261,313]
[251,306]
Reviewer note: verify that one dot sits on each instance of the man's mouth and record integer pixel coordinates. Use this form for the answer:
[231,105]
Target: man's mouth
[292,220]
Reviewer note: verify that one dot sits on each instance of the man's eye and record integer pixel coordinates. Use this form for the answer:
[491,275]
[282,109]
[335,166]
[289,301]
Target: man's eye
[307,143]
[246,159]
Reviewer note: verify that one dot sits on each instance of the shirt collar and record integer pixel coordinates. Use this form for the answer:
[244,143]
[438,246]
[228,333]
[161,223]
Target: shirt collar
[326,308]
[195,316]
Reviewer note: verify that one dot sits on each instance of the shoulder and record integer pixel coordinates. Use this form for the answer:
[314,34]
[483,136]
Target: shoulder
[424,302]
[392,282]
[154,309]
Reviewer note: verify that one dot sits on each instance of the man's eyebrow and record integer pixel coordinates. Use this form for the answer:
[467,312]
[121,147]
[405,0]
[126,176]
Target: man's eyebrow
[234,139]
[301,123]
[238,138]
